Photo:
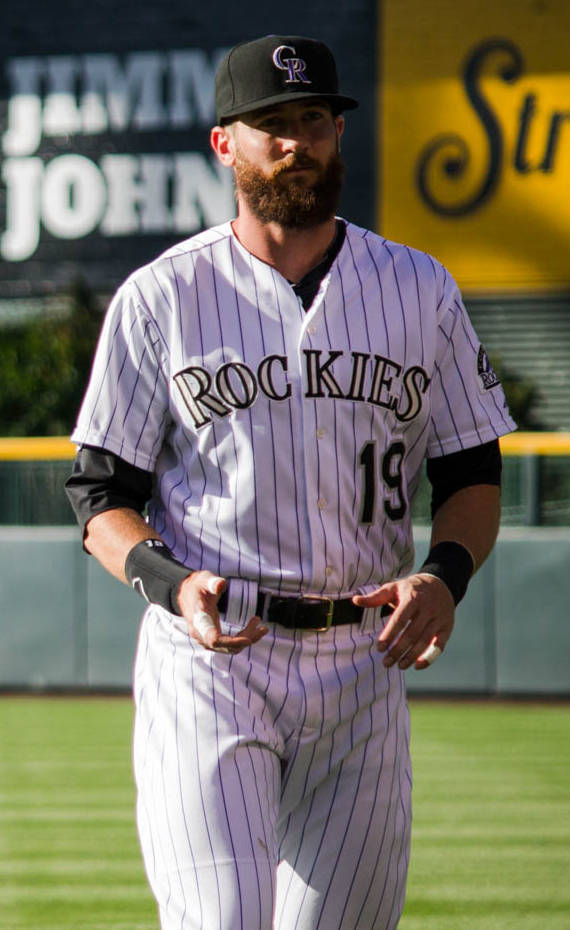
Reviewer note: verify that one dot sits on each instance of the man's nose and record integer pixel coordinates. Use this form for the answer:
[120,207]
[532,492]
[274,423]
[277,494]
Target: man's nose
[294,137]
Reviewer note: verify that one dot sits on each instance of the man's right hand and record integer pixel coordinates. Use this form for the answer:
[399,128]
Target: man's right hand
[198,600]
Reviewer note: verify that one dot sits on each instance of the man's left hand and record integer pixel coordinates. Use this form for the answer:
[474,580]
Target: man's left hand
[423,618]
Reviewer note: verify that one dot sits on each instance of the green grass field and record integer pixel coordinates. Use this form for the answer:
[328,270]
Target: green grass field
[491,841]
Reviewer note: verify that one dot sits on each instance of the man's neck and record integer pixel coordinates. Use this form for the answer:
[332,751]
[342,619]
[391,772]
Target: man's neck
[292,252]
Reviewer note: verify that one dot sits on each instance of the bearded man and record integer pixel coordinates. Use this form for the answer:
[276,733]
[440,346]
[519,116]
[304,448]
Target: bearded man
[269,390]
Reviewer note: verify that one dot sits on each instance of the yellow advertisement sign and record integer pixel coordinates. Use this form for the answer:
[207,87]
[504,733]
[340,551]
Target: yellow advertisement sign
[474,143]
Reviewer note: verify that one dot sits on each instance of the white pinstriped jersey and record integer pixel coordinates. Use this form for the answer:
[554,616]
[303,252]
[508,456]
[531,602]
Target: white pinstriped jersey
[286,444]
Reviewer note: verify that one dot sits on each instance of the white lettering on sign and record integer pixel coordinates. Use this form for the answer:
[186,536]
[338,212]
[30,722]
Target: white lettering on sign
[88,94]
[71,196]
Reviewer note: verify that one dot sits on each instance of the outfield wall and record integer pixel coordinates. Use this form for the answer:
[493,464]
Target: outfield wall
[65,623]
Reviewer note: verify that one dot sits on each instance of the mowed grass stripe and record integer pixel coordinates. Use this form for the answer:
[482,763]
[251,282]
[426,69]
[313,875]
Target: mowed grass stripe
[69,855]
[491,839]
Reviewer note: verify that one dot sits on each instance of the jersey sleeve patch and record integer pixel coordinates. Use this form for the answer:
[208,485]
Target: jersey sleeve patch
[486,374]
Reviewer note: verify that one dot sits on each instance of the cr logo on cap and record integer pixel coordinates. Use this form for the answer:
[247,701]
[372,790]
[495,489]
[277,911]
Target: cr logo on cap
[295,66]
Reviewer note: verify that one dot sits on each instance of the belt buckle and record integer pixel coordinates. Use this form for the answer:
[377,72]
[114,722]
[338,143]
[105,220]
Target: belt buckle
[328,617]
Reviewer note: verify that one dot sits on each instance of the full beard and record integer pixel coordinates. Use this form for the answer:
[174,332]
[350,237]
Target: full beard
[287,200]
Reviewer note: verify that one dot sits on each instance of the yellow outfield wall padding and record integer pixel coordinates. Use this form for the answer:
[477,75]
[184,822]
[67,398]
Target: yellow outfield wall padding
[45,448]
[547,443]
[36,448]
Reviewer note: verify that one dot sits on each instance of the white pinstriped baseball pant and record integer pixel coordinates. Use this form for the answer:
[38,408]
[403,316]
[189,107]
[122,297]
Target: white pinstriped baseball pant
[273,786]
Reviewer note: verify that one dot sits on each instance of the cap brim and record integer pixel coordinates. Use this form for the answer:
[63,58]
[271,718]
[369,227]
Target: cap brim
[338,100]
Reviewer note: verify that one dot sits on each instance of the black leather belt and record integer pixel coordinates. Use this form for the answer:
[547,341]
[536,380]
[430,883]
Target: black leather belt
[311,613]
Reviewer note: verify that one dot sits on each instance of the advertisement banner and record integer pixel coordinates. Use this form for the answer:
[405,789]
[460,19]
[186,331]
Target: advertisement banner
[104,131]
[101,149]
[474,138]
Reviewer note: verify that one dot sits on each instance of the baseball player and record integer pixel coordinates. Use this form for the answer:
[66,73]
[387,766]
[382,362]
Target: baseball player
[268,391]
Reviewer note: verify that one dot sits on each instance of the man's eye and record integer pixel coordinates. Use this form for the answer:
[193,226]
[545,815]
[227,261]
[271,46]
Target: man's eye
[269,123]
[313,116]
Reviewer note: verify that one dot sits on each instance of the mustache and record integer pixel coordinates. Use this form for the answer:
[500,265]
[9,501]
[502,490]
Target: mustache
[294,161]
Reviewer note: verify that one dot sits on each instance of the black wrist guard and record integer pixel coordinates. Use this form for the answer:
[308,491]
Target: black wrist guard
[453,563]
[153,571]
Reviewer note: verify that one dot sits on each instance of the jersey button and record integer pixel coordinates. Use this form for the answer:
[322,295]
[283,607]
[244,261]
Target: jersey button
[321,503]
[321,433]
[328,570]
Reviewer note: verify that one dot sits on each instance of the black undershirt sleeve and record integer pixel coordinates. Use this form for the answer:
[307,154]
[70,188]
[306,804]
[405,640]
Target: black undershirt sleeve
[450,473]
[101,481]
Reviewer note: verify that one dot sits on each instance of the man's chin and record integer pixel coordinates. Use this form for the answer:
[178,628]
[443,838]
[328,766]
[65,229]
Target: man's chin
[302,179]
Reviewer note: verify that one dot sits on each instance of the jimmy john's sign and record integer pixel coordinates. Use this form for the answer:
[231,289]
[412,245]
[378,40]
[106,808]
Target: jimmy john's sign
[99,144]
[475,140]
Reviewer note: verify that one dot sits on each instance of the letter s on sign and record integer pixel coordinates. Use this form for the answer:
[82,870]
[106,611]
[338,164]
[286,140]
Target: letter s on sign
[449,155]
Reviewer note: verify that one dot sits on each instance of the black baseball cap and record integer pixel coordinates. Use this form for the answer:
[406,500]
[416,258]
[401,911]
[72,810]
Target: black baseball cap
[276,69]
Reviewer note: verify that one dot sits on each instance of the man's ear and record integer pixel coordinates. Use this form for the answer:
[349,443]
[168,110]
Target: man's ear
[222,144]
